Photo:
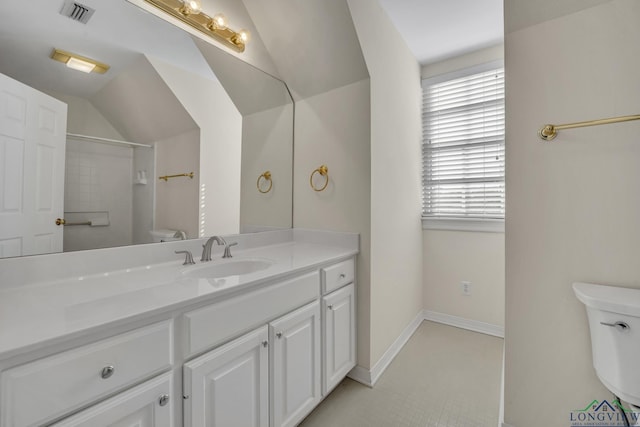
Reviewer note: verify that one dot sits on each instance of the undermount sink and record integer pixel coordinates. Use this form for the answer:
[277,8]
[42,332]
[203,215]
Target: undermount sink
[212,270]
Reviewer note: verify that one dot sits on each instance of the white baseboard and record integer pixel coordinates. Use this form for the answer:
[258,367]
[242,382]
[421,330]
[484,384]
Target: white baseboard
[369,377]
[362,375]
[501,410]
[461,322]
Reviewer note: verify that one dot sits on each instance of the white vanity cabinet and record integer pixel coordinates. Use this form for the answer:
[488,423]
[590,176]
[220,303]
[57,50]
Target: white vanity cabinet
[229,386]
[295,365]
[339,323]
[51,387]
[270,374]
[263,355]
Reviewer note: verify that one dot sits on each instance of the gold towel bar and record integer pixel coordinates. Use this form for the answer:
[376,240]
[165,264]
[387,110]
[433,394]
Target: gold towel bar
[62,221]
[166,177]
[548,132]
[267,177]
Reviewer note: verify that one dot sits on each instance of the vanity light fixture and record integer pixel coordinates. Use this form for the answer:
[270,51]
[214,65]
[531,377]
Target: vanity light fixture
[80,63]
[189,12]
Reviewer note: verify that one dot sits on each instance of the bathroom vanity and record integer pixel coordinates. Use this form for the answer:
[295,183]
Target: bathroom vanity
[130,336]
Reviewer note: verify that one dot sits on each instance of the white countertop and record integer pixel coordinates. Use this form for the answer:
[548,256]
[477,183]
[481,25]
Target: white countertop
[37,314]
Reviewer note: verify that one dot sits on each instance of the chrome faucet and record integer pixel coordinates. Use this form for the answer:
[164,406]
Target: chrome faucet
[188,259]
[227,250]
[206,248]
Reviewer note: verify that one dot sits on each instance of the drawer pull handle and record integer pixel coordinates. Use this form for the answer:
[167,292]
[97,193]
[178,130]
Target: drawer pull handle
[342,276]
[279,334]
[107,371]
[265,343]
[330,307]
[164,399]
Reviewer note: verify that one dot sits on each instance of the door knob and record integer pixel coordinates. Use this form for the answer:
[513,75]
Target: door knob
[60,221]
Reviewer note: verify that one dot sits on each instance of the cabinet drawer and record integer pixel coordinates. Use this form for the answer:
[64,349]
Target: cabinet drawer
[148,404]
[337,275]
[48,388]
[214,324]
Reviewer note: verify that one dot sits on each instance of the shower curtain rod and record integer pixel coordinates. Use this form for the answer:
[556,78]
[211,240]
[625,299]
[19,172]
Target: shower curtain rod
[107,140]
[548,132]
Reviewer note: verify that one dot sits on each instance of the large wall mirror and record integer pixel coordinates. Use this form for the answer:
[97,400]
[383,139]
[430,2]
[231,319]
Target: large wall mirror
[217,130]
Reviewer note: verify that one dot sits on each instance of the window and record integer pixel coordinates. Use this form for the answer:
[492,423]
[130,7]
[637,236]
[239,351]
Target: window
[463,149]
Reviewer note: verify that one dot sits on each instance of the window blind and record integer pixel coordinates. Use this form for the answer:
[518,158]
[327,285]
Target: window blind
[463,146]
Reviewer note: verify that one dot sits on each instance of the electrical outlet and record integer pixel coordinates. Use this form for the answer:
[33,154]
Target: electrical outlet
[466,287]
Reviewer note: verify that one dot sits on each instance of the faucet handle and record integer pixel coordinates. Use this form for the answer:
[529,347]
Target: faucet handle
[227,250]
[188,259]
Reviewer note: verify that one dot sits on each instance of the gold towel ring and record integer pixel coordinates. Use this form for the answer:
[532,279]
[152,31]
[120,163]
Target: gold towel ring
[267,177]
[324,171]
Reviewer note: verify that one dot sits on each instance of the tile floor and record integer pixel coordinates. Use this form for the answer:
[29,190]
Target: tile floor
[443,377]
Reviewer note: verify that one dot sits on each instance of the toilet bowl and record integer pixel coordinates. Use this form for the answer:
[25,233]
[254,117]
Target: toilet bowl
[614,323]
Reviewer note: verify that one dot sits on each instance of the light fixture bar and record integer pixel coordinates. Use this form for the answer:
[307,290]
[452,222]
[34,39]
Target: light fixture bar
[78,62]
[203,23]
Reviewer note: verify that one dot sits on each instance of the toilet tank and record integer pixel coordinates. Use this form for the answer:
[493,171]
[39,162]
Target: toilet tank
[614,322]
[163,235]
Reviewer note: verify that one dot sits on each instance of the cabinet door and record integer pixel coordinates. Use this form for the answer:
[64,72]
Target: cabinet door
[229,386]
[339,336]
[295,362]
[147,405]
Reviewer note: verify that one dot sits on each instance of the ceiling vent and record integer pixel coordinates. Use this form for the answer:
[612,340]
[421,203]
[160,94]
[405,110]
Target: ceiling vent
[77,11]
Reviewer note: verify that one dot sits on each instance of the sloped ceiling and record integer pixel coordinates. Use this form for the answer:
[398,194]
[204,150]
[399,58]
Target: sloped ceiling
[436,30]
[525,13]
[140,105]
[312,42]
[251,90]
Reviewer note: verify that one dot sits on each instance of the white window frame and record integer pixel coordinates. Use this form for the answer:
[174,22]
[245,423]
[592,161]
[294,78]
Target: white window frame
[457,223]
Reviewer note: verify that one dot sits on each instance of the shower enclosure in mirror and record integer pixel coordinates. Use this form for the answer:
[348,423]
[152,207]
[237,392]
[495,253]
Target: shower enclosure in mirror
[170,106]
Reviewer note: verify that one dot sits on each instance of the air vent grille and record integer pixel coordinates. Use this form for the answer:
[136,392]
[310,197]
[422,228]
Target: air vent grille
[77,11]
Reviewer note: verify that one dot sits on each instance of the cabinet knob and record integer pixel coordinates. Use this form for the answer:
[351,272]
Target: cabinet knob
[330,307]
[279,334]
[342,276]
[265,343]
[107,371]
[164,399]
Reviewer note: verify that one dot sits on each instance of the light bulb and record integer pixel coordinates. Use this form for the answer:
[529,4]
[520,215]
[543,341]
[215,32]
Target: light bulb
[80,65]
[218,22]
[245,36]
[191,7]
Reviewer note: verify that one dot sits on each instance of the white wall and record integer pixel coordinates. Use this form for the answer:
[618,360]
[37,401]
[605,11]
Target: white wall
[176,201]
[572,204]
[220,146]
[396,245]
[454,256]
[334,129]
[267,146]
[451,257]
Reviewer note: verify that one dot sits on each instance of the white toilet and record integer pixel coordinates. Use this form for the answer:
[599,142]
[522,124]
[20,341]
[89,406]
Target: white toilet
[614,322]
[163,235]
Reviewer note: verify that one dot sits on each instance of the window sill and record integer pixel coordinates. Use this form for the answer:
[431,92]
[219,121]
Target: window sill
[464,224]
